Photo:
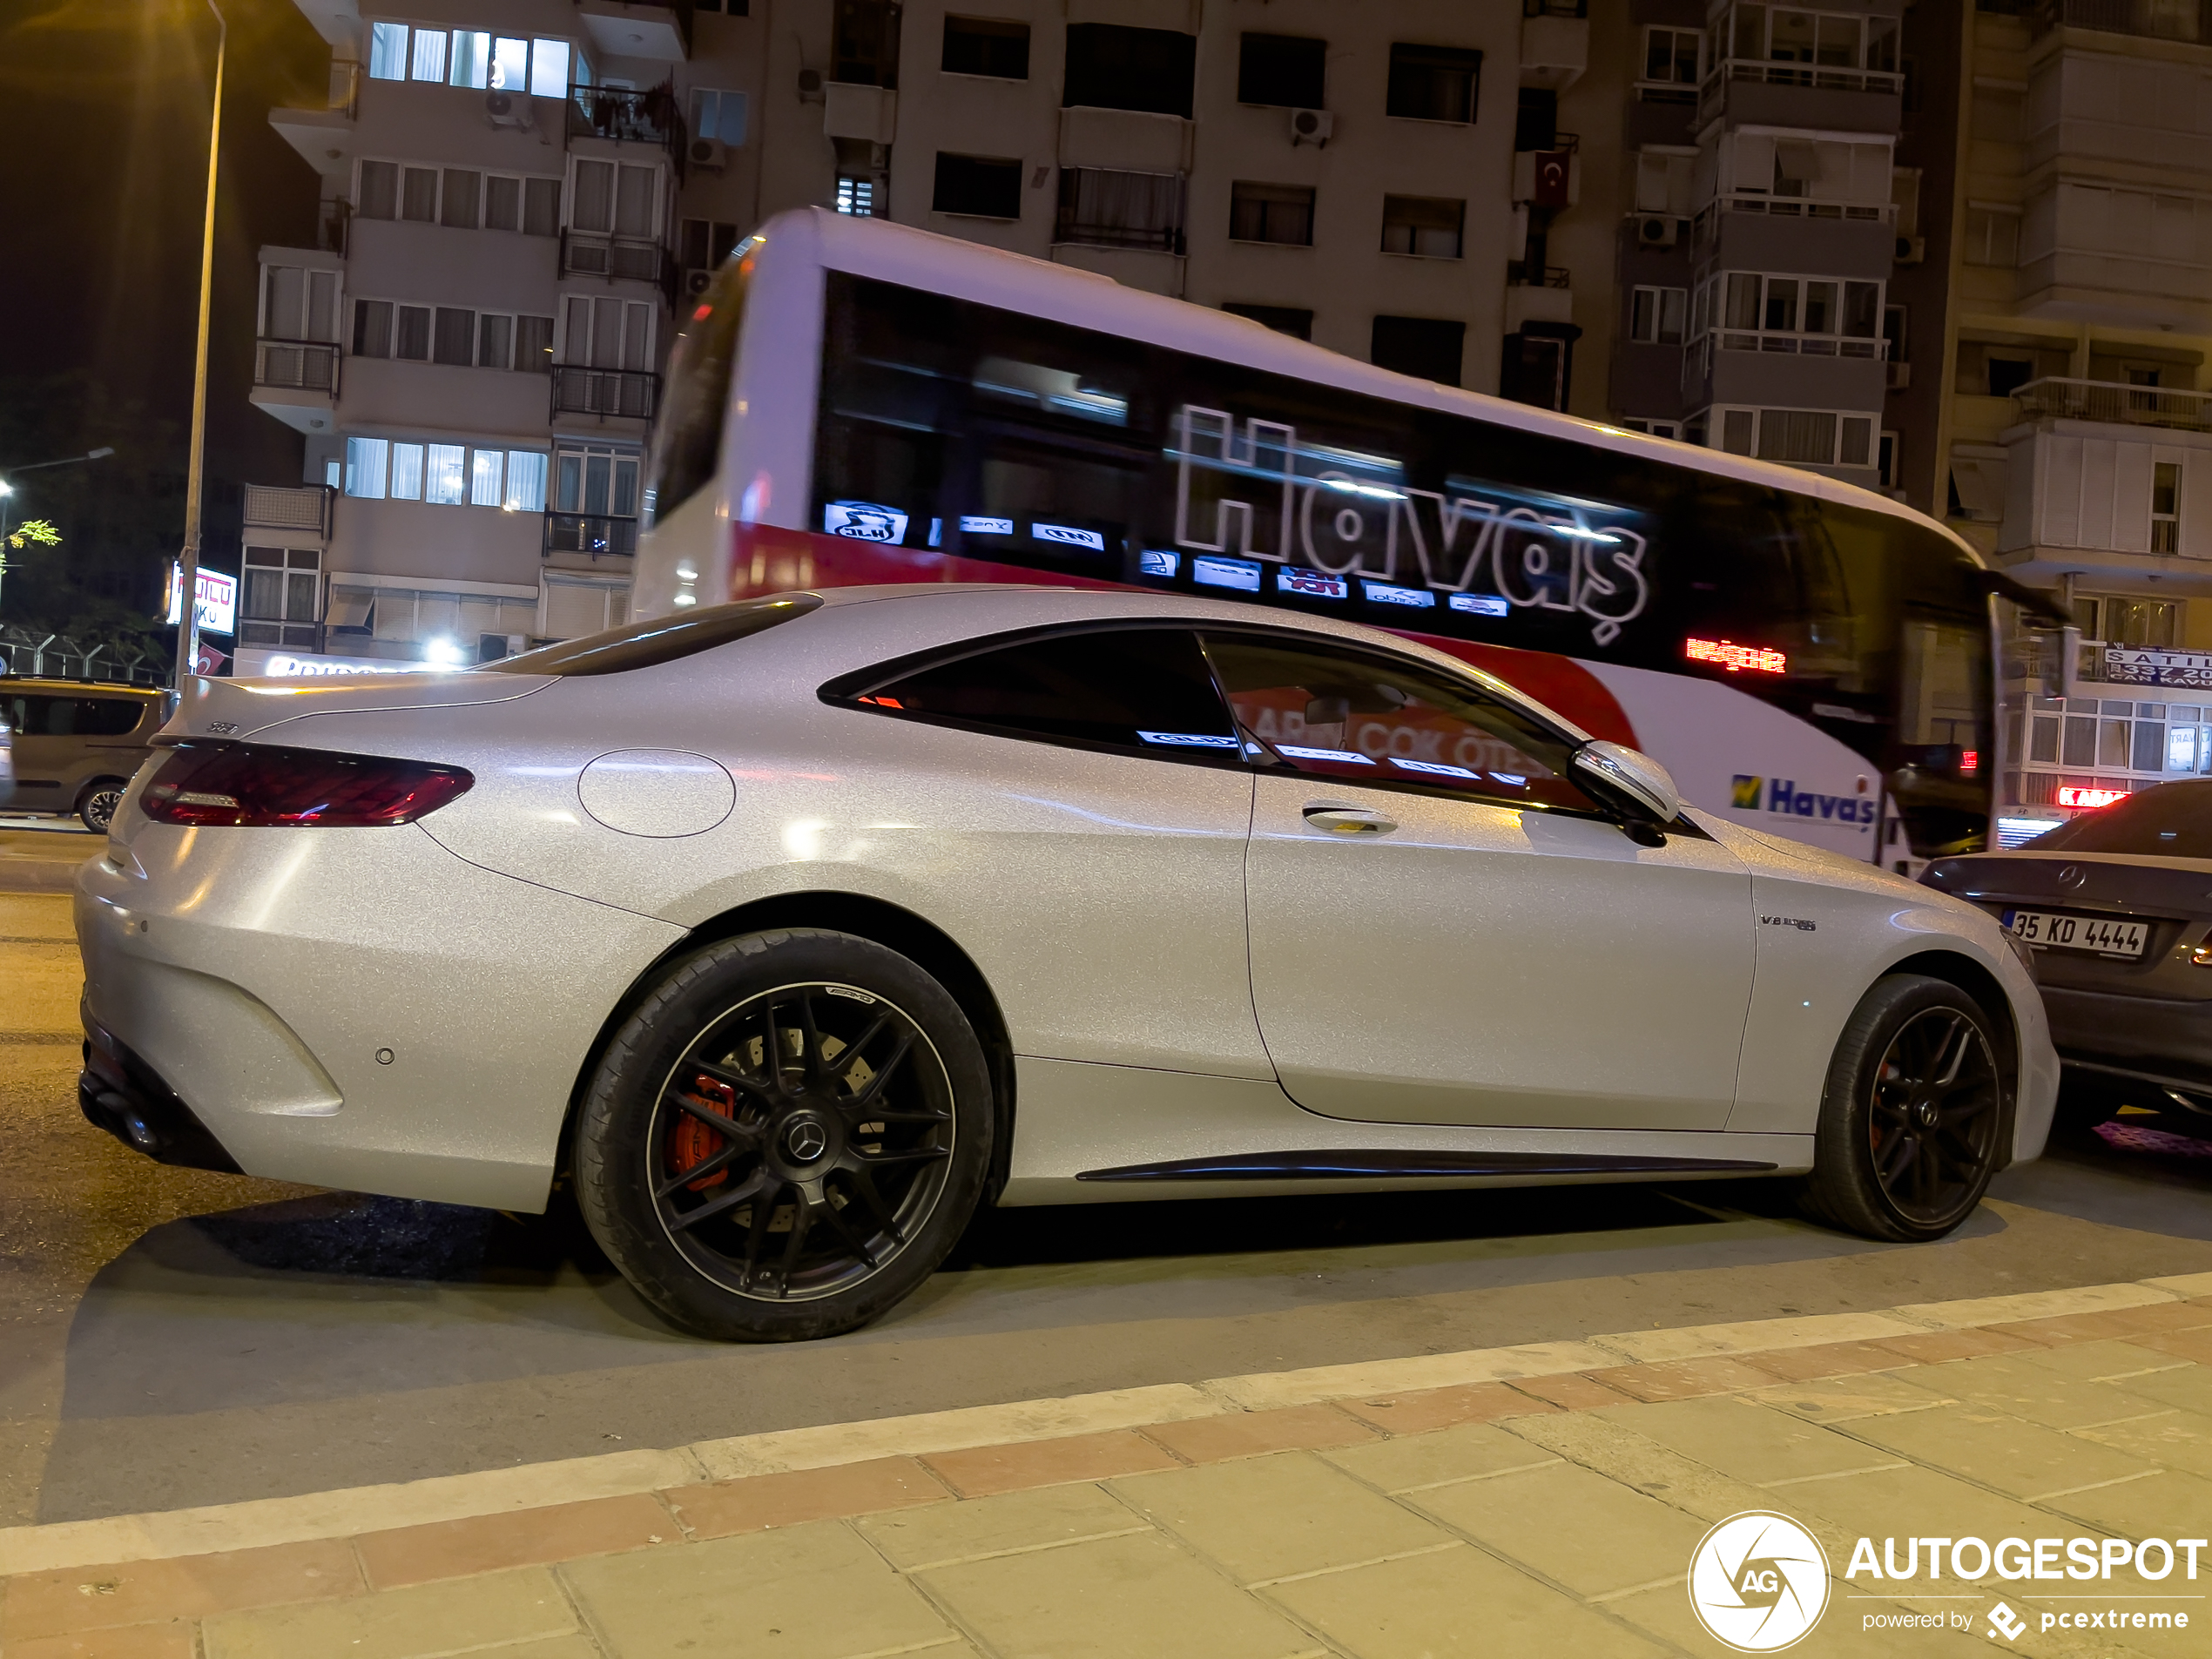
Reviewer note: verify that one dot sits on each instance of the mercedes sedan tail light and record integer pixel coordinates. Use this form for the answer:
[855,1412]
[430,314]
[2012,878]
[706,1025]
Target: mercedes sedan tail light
[250,785]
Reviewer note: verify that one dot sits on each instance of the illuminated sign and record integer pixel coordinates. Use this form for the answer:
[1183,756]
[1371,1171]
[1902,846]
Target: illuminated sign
[1182,739]
[1068,536]
[276,665]
[976,525]
[1970,761]
[1382,593]
[1251,488]
[1312,584]
[1433,768]
[2081,795]
[1733,657]
[864,521]
[1346,756]
[1152,561]
[1240,574]
[1482,604]
[216,610]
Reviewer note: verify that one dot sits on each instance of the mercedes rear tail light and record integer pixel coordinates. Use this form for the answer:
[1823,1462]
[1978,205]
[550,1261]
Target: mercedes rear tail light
[253,785]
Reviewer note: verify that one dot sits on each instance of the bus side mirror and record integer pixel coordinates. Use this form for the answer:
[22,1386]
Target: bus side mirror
[1625,778]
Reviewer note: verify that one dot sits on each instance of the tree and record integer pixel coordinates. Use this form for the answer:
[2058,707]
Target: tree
[32,529]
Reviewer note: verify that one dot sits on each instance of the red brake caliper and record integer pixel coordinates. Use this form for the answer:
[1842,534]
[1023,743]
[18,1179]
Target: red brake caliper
[692,1143]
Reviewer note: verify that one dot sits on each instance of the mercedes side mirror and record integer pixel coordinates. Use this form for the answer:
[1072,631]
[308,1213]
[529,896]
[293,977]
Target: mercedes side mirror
[1631,782]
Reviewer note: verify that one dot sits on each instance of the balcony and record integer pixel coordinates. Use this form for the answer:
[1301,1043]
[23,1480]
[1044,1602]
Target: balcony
[2108,401]
[621,116]
[1521,274]
[1760,92]
[275,508]
[629,394]
[285,635]
[2145,19]
[635,259]
[296,381]
[595,535]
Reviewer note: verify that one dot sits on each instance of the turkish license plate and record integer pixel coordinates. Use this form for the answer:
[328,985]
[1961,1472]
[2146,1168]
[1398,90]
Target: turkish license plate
[2100,934]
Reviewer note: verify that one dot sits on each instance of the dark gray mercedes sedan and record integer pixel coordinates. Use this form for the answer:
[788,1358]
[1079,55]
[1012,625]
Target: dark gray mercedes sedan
[2114,911]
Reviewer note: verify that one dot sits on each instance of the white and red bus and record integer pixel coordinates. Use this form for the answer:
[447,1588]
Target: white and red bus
[856,402]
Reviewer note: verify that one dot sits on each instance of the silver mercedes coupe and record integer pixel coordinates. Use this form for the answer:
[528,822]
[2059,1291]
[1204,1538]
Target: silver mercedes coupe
[793,931]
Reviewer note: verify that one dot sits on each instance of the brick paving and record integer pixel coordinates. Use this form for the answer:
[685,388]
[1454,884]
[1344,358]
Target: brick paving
[1533,1516]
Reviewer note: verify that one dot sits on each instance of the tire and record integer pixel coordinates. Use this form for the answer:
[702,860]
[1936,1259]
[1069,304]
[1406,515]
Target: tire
[96,805]
[1914,1115]
[755,1203]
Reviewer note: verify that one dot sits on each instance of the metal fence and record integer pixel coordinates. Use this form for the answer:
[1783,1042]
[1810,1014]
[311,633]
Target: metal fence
[31,652]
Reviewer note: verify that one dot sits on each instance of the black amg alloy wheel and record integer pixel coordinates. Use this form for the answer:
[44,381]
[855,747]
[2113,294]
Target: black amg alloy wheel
[786,1137]
[1912,1125]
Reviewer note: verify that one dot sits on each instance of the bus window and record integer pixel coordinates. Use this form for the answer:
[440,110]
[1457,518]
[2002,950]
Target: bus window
[687,439]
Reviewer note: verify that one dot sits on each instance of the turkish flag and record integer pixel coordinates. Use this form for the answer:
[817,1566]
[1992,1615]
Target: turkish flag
[207,659]
[1552,173]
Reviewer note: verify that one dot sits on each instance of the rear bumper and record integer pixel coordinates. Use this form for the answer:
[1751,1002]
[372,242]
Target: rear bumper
[2138,1037]
[118,1092]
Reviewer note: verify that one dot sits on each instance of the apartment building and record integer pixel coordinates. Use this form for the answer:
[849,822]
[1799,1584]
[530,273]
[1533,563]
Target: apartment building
[518,195]
[2078,426]
[1753,311]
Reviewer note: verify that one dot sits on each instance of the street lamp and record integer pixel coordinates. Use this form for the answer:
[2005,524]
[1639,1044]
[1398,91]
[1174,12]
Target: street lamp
[7,489]
[188,598]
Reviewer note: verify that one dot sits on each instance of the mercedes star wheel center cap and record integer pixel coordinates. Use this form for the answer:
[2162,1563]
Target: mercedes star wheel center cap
[806,1140]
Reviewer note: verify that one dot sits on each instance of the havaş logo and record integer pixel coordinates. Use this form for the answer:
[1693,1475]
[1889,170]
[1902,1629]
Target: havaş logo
[1748,794]
[1758,1581]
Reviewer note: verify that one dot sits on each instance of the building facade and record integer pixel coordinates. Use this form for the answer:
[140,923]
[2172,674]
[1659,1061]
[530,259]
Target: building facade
[519,197]
[2077,441]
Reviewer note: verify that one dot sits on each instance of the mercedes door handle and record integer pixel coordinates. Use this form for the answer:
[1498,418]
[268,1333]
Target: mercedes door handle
[1349,820]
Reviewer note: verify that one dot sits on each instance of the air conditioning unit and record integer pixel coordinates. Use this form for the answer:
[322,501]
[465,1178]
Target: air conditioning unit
[1911,250]
[1311,126]
[810,86]
[507,109]
[710,153]
[1899,376]
[695,283]
[1657,230]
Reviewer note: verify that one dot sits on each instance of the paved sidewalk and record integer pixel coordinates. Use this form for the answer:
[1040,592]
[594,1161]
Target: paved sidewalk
[1539,1500]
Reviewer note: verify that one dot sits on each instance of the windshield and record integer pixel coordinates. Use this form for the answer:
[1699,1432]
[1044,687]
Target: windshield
[646,644]
[2168,820]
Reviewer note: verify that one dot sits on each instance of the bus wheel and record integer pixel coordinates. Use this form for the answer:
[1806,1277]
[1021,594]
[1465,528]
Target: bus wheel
[1911,1119]
[785,1137]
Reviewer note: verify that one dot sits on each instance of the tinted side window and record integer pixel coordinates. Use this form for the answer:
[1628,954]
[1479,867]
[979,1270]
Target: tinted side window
[105,717]
[1364,719]
[2172,820]
[1145,689]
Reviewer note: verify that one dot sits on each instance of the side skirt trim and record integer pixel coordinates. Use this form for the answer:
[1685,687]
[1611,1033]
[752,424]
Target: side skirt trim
[1339,1165]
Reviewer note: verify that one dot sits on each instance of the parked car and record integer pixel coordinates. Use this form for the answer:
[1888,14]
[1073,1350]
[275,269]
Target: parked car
[75,743]
[2115,906]
[798,928]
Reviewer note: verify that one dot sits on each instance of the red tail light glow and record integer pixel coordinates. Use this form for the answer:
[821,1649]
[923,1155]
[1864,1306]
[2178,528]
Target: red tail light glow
[248,786]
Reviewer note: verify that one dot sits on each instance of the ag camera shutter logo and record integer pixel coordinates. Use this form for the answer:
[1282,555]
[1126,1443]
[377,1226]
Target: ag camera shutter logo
[1758,1581]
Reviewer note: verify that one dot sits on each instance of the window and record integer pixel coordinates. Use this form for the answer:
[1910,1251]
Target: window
[487,469]
[1354,718]
[541,206]
[1112,66]
[1657,315]
[548,69]
[1105,208]
[1142,690]
[372,328]
[718,115]
[407,472]
[2166,507]
[991,46]
[444,474]
[1666,180]
[430,55]
[596,479]
[525,481]
[1993,235]
[864,42]
[1284,319]
[1280,213]
[534,345]
[1433,83]
[1535,121]
[604,332]
[377,196]
[510,65]
[502,203]
[1889,463]
[1286,69]
[462,206]
[856,194]
[367,460]
[1537,364]
[455,337]
[71,716]
[471,58]
[280,585]
[2008,374]
[411,333]
[1670,56]
[419,194]
[703,244]
[388,51]
[1428,348]
[1427,226]
[614,200]
[1821,315]
[977,186]
[298,304]
[1799,437]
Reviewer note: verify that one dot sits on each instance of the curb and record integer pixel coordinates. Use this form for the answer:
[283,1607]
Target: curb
[350,1511]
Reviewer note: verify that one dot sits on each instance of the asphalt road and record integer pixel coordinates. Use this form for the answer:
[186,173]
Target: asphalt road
[170,1337]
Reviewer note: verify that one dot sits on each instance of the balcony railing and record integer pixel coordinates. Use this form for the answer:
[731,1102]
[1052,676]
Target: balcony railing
[618,114]
[1787,342]
[1836,77]
[2073,400]
[594,535]
[291,636]
[296,365]
[2189,20]
[1706,225]
[1521,274]
[277,507]
[631,393]
[635,258]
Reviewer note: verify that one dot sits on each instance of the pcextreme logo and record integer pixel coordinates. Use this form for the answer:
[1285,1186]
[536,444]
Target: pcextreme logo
[1750,794]
[1758,1581]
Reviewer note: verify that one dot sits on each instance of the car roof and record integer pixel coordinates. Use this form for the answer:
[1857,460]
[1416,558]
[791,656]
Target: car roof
[113,688]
